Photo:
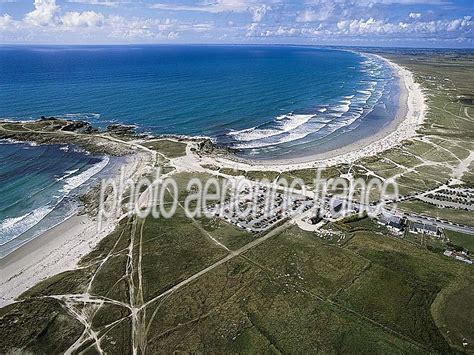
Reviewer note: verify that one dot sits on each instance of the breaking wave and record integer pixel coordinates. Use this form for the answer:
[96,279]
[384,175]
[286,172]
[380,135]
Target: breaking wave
[340,113]
[16,226]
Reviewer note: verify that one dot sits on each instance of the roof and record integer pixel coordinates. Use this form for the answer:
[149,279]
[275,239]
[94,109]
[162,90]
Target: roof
[425,227]
[391,220]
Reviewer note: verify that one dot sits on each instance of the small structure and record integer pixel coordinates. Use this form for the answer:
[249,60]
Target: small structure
[448,253]
[422,228]
[457,256]
[394,223]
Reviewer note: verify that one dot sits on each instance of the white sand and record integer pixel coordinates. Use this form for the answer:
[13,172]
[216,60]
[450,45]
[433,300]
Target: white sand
[61,247]
[54,251]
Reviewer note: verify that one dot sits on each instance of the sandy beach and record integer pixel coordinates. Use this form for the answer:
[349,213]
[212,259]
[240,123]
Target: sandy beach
[54,251]
[60,248]
[410,115]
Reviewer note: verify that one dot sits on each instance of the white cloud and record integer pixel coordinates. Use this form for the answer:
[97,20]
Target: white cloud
[370,29]
[351,20]
[307,16]
[259,12]
[6,21]
[373,26]
[208,6]
[108,3]
[405,2]
[47,21]
[82,19]
[44,13]
[361,26]
[149,29]
[459,24]
[254,7]
[321,13]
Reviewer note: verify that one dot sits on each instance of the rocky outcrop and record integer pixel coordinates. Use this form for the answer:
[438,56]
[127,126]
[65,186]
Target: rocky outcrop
[122,130]
[79,127]
[207,146]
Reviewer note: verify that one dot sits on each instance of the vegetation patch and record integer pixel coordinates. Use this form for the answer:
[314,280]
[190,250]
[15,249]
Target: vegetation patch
[171,149]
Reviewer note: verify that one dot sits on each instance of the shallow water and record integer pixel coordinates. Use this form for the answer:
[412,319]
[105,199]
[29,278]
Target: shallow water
[39,187]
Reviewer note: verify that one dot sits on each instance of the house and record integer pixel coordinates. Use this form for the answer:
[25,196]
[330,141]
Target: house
[448,253]
[422,228]
[394,223]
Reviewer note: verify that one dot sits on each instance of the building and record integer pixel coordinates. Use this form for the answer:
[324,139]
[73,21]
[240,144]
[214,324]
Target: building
[316,218]
[422,228]
[394,223]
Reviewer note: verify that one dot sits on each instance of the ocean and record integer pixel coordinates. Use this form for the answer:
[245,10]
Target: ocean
[40,186]
[272,102]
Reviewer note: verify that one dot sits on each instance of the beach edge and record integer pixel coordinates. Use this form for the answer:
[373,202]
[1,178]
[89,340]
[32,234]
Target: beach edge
[409,116]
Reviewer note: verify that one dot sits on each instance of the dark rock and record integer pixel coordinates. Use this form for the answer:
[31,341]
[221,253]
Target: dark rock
[43,118]
[206,146]
[121,129]
[79,127]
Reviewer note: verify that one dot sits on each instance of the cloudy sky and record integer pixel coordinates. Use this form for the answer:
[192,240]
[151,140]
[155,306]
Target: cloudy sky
[421,23]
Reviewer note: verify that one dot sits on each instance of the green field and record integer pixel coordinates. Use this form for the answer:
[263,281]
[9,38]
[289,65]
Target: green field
[294,291]
[169,148]
[462,239]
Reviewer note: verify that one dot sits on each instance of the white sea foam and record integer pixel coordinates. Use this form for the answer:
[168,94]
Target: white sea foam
[67,173]
[79,115]
[346,112]
[15,226]
[284,124]
[75,181]
[10,141]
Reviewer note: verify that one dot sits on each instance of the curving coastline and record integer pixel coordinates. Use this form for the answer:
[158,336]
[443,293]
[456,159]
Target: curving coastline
[60,247]
[410,114]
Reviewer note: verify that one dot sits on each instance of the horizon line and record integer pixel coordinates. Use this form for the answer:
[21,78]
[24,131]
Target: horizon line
[230,44]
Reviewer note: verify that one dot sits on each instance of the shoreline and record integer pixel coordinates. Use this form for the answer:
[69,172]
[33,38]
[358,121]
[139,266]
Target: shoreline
[52,252]
[59,248]
[17,242]
[410,114]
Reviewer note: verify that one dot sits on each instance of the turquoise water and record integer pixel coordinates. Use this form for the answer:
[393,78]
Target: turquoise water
[39,187]
[266,102]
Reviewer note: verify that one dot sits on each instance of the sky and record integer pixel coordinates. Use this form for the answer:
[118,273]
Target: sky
[399,23]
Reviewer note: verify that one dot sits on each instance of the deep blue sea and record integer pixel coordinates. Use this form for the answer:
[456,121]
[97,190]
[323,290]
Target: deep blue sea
[275,102]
